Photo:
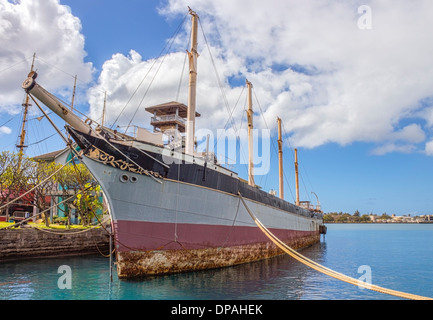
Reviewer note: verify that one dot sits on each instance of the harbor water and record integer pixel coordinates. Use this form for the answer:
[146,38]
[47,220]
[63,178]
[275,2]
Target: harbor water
[393,256]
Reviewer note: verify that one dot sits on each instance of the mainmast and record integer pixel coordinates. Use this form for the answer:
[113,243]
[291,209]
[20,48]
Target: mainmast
[250,114]
[192,55]
[280,159]
[26,106]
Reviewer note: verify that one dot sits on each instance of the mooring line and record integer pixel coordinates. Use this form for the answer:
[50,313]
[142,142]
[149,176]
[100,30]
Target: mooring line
[314,265]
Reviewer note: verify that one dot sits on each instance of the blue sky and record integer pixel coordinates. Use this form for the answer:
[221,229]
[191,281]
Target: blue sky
[358,104]
[112,27]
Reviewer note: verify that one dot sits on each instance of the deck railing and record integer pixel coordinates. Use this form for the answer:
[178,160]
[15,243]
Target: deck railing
[167,118]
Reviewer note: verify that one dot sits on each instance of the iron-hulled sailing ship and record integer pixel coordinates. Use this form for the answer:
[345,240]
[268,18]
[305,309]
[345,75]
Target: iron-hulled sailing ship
[173,209]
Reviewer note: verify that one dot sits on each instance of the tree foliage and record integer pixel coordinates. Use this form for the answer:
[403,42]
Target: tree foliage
[340,217]
[14,177]
[73,181]
[88,202]
[39,178]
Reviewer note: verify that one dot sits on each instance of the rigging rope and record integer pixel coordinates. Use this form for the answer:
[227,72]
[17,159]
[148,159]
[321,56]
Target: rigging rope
[300,172]
[223,94]
[314,265]
[67,233]
[15,64]
[1,125]
[216,71]
[39,213]
[168,46]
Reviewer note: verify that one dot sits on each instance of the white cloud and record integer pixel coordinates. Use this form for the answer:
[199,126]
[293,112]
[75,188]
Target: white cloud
[5,130]
[403,141]
[309,63]
[48,29]
[411,133]
[392,147]
[335,82]
[127,79]
[429,148]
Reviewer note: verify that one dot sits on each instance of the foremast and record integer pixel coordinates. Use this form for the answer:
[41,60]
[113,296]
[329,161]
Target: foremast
[26,105]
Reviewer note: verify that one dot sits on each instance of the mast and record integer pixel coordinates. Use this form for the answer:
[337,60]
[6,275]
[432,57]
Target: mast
[73,93]
[103,110]
[250,136]
[192,57]
[280,158]
[26,106]
[73,97]
[296,175]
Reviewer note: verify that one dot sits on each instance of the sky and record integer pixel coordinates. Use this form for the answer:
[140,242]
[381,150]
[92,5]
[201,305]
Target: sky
[351,80]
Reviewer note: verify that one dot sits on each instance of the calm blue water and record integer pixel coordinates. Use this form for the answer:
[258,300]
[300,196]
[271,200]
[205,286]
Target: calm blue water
[400,258]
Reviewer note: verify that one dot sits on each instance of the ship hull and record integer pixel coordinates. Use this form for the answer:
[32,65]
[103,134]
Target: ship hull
[165,225]
[175,258]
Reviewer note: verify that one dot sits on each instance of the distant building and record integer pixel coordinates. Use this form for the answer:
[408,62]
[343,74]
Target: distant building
[59,156]
[18,210]
[57,195]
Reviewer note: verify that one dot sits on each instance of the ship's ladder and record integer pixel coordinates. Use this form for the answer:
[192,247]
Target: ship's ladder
[314,265]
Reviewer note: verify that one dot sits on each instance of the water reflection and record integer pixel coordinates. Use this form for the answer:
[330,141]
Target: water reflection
[277,278]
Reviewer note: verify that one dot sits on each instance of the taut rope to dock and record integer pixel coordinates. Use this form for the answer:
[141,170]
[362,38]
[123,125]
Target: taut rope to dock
[294,254]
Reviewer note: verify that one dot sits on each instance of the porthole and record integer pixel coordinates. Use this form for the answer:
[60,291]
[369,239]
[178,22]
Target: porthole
[133,179]
[124,178]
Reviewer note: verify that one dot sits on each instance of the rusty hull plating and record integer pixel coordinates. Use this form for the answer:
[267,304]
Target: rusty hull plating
[136,264]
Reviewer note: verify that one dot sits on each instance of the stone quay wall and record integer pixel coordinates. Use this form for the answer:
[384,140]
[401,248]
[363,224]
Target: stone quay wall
[31,242]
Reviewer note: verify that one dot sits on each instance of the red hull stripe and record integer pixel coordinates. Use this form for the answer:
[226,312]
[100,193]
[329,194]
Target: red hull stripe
[139,235]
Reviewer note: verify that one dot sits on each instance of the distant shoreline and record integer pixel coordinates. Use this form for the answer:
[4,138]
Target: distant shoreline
[373,218]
